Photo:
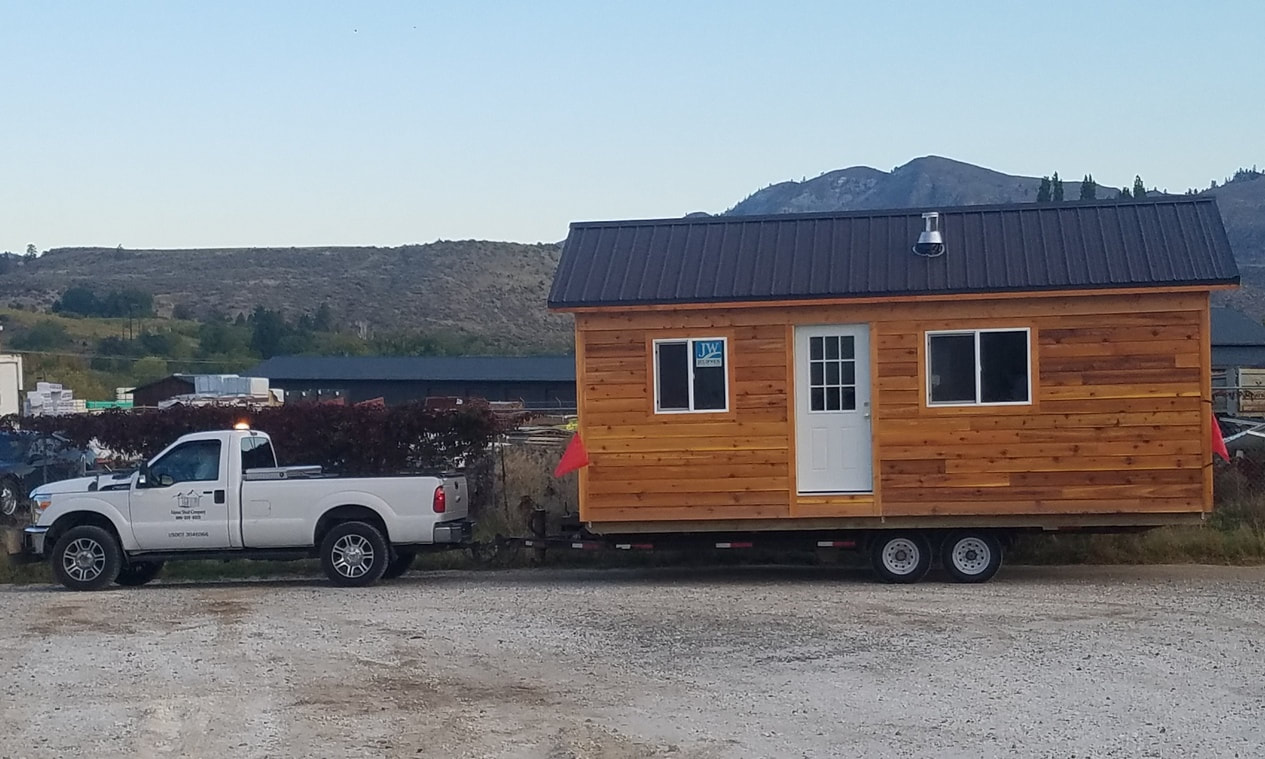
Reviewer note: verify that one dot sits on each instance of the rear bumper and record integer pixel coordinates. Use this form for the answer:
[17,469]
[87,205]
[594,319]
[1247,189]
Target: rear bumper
[461,531]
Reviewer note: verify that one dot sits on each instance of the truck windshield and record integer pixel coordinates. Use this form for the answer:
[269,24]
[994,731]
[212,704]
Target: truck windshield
[257,453]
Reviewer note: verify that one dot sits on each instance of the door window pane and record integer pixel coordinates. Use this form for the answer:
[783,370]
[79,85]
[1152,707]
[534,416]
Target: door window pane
[832,373]
[195,461]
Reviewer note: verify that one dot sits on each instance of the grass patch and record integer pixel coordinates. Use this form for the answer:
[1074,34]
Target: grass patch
[1165,545]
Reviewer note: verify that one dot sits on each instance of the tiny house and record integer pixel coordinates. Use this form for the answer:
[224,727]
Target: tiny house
[924,379]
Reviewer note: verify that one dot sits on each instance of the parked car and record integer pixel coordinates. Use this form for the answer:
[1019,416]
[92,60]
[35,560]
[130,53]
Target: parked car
[30,459]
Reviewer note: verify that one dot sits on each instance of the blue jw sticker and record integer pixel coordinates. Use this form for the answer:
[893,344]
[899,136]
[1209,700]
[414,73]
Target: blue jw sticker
[709,353]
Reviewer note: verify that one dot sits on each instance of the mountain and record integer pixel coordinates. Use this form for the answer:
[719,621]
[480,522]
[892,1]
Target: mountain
[496,290]
[927,181]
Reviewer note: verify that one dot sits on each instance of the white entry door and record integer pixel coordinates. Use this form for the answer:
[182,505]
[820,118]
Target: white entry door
[832,409]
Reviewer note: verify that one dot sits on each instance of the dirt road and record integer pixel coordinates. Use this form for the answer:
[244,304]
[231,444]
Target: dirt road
[732,662]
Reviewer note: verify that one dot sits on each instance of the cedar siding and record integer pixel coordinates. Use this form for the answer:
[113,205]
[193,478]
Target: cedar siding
[1118,424]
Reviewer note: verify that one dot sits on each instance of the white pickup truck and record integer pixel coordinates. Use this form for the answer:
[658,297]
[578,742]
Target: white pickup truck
[221,495]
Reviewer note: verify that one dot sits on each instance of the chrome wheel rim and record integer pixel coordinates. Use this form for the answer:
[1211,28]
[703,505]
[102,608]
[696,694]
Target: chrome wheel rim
[8,500]
[901,556]
[971,556]
[84,560]
[353,556]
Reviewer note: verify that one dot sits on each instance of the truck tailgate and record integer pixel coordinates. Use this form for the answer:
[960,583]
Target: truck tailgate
[457,498]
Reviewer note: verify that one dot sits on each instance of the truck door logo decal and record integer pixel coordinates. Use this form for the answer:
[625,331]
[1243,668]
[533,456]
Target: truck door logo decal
[189,500]
[188,506]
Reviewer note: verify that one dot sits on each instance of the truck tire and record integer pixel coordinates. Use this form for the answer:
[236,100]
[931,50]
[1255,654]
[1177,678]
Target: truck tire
[399,565]
[138,573]
[354,554]
[11,496]
[902,557]
[86,557]
[971,556]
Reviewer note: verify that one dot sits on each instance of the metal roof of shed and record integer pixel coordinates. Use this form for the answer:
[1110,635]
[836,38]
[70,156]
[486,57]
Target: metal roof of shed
[1168,241]
[418,368]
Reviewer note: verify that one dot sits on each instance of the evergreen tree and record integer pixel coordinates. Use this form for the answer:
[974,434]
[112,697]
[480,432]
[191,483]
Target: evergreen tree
[1056,185]
[1139,189]
[1089,190]
[1043,192]
[1125,194]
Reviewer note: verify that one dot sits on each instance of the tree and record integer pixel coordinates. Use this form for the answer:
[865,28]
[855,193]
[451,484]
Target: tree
[1125,194]
[1089,189]
[31,252]
[324,319]
[1043,192]
[268,329]
[1139,189]
[45,336]
[1057,187]
[148,369]
[77,300]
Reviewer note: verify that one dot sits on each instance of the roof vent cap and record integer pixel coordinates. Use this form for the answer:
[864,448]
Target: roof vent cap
[930,243]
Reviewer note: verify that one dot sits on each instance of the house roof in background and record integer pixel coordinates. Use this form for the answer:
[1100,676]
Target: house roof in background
[1231,327]
[418,368]
[1006,248]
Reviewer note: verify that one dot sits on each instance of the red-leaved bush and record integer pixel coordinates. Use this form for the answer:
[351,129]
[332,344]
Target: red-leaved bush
[352,440]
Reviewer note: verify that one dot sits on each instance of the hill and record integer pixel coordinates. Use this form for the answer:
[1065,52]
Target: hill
[491,289]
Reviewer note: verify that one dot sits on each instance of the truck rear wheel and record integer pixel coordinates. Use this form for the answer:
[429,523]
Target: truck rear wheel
[354,554]
[971,556]
[86,557]
[138,573]
[901,557]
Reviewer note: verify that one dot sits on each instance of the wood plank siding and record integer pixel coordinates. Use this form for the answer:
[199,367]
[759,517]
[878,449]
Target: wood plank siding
[1118,423]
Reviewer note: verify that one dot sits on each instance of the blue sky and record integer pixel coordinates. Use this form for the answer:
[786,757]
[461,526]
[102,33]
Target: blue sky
[165,124]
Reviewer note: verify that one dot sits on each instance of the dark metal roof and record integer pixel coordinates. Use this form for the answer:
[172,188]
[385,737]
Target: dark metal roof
[1242,356]
[1008,248]
[419,368]
[1230,327]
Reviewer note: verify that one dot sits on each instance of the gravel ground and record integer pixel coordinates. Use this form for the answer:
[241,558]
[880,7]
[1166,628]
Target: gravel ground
[724,662]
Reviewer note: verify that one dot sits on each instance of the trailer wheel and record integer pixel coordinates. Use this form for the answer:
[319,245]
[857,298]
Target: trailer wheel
[399,565]
[971,556]
[138,573]
[354,554]
[902,557]
[86,557]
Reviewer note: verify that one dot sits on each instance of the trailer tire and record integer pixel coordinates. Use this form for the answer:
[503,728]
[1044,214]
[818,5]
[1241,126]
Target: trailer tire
[354,554]
[971,556]
[400,564]
[900,557]
[86,557]
[138,573]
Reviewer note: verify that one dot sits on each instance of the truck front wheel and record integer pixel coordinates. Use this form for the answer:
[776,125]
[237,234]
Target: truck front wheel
[354,554]
[86,557]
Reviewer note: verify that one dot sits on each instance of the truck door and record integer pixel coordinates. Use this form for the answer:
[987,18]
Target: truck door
[184,503]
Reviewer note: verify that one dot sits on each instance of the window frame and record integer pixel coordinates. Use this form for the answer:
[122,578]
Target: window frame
[979,373]
[689,343]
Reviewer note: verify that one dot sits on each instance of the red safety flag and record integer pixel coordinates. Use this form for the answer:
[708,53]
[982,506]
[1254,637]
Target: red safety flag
[1218,442]
[573,458]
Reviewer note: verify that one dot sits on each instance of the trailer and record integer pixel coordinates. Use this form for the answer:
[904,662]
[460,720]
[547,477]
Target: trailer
[916,383]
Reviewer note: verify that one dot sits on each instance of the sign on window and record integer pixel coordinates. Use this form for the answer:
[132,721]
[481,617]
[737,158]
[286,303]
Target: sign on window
[709,353]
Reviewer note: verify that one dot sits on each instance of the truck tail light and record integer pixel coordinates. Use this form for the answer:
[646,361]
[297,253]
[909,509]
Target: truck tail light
[440,502]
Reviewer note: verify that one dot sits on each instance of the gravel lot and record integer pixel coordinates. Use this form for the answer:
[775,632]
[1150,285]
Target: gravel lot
[724,662]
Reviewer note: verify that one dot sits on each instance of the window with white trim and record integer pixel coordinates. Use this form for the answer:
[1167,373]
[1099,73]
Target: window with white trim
[691,375]
[979,367]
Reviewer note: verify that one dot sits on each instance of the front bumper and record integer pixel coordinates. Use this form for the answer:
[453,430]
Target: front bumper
[461,531]
[25,546]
